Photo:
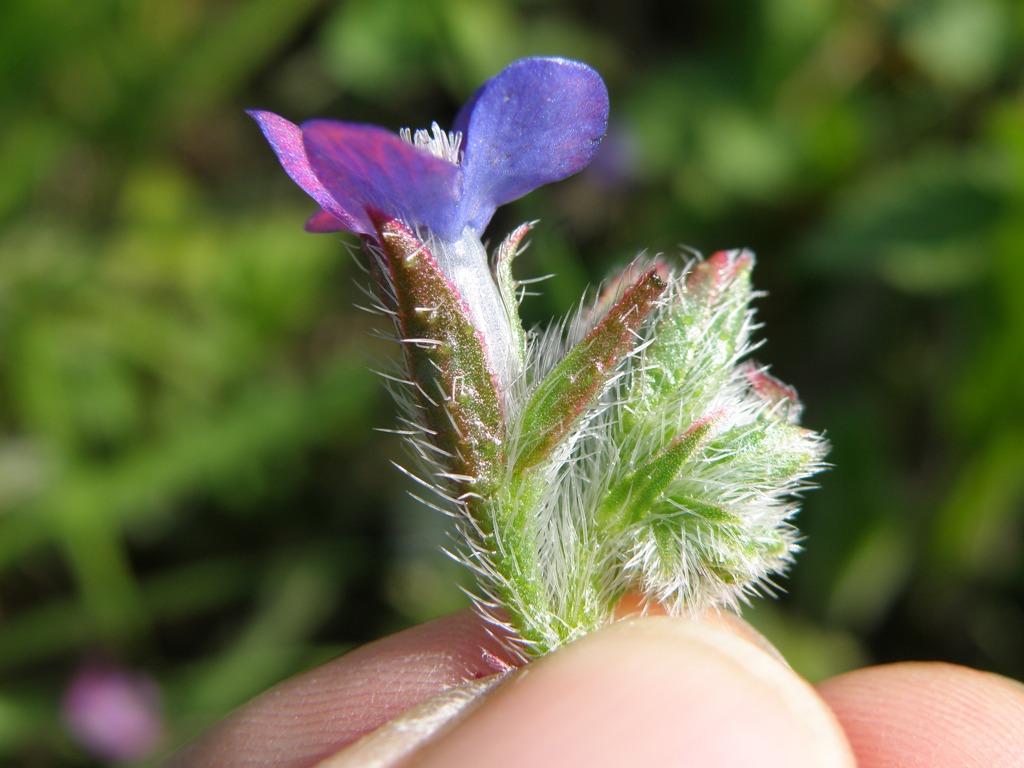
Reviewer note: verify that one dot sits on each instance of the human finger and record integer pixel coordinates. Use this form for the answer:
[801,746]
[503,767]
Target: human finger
[314,714]
[651,691]
[939,715]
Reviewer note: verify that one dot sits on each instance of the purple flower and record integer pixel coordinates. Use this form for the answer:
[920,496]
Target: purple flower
[538,121]
[113,712]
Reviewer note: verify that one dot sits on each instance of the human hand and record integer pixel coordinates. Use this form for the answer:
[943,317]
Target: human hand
[651,691]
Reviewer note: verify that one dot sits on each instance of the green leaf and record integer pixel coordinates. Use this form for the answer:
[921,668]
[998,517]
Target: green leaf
[923,226]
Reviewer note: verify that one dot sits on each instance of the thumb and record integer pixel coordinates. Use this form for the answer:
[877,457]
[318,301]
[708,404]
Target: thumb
[650,691]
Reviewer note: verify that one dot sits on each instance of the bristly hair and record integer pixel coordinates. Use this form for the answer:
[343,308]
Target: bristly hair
[684,396]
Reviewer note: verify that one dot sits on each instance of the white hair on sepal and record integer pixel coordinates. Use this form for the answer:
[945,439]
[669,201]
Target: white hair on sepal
[717,531]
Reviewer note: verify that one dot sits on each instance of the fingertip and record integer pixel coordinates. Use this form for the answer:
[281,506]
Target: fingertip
[939,715]
[650,691]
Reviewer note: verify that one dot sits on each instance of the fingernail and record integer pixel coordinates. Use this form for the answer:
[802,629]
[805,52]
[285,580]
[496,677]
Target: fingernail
[632,605]
[398,738]
[733,623]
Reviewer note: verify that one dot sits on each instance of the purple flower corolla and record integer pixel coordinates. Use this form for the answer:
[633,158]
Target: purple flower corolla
[538,121]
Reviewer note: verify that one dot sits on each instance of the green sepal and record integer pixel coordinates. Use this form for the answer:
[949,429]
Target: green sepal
[712,277]
[461,405]
[508,287]
[576,382]
[768,451]
[696,341]
[633,497]
[781,398]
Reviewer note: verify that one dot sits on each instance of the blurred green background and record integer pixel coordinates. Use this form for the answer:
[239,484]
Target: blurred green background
[190,480]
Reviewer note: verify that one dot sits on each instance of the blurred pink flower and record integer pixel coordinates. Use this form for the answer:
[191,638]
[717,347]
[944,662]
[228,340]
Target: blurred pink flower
[113,712]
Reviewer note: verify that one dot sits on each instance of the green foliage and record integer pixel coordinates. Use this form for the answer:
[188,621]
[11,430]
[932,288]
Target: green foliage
[189,481]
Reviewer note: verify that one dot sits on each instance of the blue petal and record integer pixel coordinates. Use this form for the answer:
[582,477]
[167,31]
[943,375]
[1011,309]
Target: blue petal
[536,122]
[369,169]
[286,140]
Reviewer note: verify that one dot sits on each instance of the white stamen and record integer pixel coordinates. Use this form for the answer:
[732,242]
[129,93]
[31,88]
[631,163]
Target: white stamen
[443,145]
